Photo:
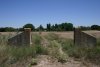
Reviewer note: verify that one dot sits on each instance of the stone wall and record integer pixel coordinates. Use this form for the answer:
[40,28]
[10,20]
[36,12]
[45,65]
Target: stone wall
[83,39]
[23,38]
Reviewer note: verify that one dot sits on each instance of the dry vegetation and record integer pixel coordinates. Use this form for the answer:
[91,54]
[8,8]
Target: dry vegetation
[54,49]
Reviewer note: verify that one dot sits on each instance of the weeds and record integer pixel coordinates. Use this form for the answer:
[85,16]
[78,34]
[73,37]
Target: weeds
[40,49]
[55,50]
[59,48]
[18,53]
[36,38]
[34,61]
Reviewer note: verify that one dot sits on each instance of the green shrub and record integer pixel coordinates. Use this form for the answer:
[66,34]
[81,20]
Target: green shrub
[36,38]
[34,61]
[19,53]
[12,54]
[66,43]
[3,55]
[77,52]
[98,42]
[3,39]
[55,50]
[93,54]
[40,49]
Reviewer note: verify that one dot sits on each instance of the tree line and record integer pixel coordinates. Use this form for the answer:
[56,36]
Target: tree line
[55,27]
[92,27]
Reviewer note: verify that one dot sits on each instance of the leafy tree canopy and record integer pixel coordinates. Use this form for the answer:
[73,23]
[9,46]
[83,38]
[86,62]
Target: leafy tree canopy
[29,26]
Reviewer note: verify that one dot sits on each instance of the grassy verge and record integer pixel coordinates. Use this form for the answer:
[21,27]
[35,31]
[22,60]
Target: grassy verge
[55,50]
[71,50]
[13,54]
[57,47]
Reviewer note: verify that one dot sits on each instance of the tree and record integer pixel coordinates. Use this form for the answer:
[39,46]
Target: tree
[69,27]
[53,28]
[29,26]
[20,29]
[49,27]
[85,27]
[66,26]
[2,29]
[40,28]
[95,27]
[60,27]
[7,29]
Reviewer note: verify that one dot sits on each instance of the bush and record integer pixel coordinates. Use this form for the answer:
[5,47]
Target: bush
[66,43]
[33,62]
[12,54]
[19,53]
[84,53]
[55,50]
[3,55]
[36,38]
[93,55]
[98,42]
[40,49]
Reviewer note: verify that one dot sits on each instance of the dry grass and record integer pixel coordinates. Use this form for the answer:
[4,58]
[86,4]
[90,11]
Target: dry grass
[59,45]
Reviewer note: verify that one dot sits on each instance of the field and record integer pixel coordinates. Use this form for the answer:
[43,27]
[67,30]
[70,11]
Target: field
[49,49]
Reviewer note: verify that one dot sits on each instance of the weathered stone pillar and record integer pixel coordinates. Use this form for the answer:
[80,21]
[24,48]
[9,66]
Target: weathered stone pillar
[23,38]
[77,36]
[27,36]
[84,39]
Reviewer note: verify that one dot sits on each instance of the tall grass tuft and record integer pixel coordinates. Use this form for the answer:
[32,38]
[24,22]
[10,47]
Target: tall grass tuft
[18,53]
[55,50]
[40,49]
[10,54]
[36,39]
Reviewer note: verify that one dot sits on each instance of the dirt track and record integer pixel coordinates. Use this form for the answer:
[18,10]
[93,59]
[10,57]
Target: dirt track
[46,61]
